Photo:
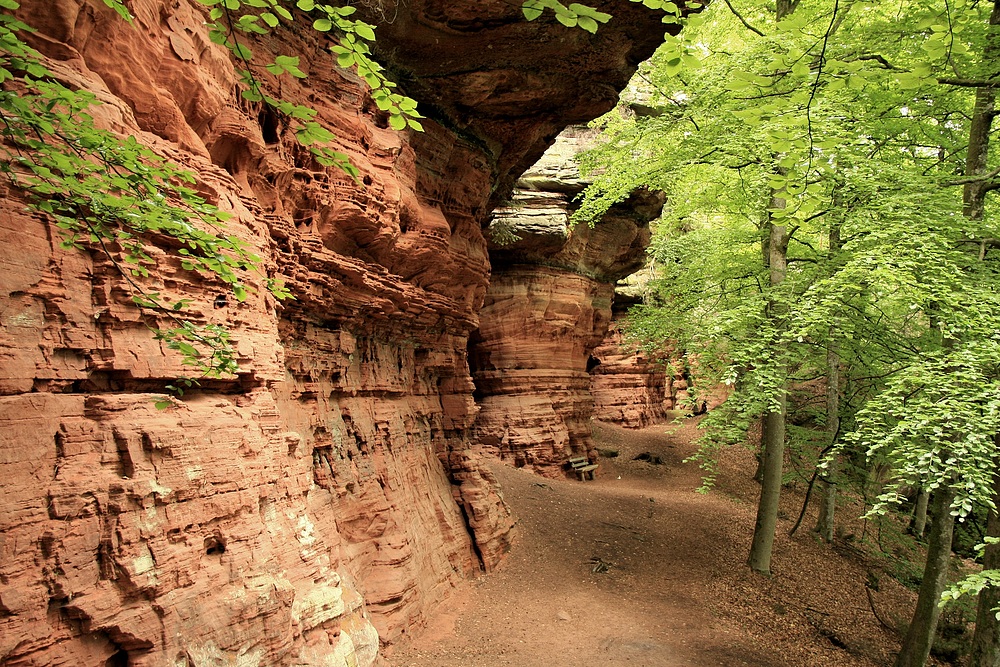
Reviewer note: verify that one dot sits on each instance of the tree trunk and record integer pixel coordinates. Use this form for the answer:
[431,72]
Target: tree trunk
[774,246]
[974,194]
[986,640]
[828,504]
[758,473]
[920,513]
[920,635]
[773,424]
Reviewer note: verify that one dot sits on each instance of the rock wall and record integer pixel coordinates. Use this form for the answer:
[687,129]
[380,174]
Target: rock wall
[548,306]
[629,388]
[326,498]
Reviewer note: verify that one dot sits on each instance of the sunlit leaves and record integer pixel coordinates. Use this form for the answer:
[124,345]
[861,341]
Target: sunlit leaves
[574,15]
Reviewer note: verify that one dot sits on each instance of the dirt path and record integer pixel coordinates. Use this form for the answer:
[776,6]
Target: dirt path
[638,569]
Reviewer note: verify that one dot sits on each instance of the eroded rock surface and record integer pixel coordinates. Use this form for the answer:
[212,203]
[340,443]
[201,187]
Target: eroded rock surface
[548,306]
[629,387]
[326,498]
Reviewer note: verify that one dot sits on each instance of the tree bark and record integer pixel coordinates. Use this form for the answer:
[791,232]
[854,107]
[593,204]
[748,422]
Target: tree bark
[920,635]
[774,247]
[920,513]
[773,423]
[828,503]
[976,158]
[986,640]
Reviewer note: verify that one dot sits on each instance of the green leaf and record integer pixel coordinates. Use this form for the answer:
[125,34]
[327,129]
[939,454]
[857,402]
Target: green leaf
[322,25]
[345,60]
[364,31]
[588,24]
[532,9]
[567,20]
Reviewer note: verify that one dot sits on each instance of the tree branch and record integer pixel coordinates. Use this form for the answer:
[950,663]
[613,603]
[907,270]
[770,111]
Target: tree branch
[978,178]
[969,83]
[879,59]
[743,20]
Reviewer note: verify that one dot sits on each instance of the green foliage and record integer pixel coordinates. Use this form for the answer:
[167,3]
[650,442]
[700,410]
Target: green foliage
[588,18]
[834,117]
[115,195]
[972,584]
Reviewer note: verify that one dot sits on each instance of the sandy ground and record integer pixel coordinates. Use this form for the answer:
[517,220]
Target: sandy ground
[637,568]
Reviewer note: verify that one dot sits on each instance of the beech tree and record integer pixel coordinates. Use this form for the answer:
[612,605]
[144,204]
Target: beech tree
[858,114]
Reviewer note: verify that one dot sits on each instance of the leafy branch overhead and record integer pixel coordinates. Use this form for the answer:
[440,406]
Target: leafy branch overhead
[590,19]
[842,147]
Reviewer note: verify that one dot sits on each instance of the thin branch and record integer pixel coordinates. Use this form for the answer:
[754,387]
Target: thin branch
[978,178]
[743,20]
[879,59]
[821,61]
[970,83]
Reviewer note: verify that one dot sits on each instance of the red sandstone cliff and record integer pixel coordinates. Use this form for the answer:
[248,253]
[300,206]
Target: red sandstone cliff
[628,387]
[326,497]
[547,307]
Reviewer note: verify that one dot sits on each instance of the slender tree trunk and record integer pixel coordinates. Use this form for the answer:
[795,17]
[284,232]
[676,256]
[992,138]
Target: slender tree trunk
[773,424]
[920,635]
[983,113]
[986,640]
[774,246]
[828,504]
[920,513]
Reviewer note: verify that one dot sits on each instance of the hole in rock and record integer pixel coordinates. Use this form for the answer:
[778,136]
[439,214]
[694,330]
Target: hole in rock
[118,659]
[268,125]
[592,363]
[215,545]
[322,469]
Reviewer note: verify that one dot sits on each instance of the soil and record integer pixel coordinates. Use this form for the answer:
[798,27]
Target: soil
[637,568]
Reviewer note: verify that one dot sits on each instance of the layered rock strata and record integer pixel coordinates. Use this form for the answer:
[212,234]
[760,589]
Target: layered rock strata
[326,498]
[629,388]
[548,306]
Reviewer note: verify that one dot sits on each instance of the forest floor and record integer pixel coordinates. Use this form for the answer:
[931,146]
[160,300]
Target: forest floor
[637,568]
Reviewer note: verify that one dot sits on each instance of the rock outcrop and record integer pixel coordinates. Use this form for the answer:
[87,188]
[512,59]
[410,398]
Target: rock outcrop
[548,306]
[326,497]
[629,388]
